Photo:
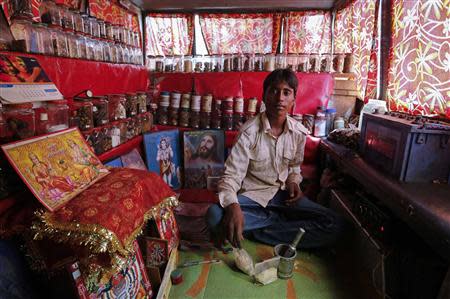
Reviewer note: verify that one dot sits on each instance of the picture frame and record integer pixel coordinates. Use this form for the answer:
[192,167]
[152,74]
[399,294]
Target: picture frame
[162,151]
[117,162]
[55,167]
[204,157]
[156,251]
[167,227]
[133,160]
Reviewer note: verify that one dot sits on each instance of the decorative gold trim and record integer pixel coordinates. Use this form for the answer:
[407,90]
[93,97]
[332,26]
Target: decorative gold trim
[97,238]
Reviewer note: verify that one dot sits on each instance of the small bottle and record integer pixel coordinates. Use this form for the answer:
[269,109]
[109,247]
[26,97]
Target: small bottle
[183,120]
[227,120]
[43,125]
[289,252]
[174,107]
[216,115]
[339,123]
[163,113]
[194,121]
[205,114]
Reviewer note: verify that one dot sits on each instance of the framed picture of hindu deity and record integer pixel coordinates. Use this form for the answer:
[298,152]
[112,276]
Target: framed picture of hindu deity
[133,160]
[55,167]
[203,157]
[156,251]
[162,150]
[167,227]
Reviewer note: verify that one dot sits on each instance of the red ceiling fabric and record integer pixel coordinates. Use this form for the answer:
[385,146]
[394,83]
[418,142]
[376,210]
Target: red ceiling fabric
[308,32]
[169,34]
[241,33]
[353,33]
[419,74]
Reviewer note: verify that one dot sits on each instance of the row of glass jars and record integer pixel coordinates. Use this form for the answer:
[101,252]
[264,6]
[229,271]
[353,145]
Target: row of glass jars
[19,121]
[254,62]
[41,39]
[88,113]
[104,138]
[71,20]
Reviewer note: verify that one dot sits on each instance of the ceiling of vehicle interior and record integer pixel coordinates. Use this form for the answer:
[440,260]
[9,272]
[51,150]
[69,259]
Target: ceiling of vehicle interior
[235,5]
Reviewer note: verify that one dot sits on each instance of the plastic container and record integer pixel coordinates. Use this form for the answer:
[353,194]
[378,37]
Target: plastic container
[142,101]
[59,41]
[131,104]
[58,115]
[320,124]
[147,122]
[114,133]
[44,38]
[50,13]
[216,115]
[84,110]
[163,113]
[26,39]
[330,115]
[42,125]
[20,121]
[78,23]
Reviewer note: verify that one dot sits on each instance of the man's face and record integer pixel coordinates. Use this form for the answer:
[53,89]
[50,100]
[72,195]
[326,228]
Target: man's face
[206,146]
[279,99]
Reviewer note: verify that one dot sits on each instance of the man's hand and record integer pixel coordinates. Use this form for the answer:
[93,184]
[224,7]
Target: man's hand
[294,194]
[233,222]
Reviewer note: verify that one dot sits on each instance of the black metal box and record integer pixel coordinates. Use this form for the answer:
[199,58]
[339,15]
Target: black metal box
[408,148]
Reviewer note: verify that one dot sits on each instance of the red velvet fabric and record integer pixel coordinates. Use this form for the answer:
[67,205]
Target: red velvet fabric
[314,88]
[118,202]
[74,75]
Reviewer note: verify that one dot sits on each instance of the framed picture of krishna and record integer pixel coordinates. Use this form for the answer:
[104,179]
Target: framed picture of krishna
[162,150]
[55,167]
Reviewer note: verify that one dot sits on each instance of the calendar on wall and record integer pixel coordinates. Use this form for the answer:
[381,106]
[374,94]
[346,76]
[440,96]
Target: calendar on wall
[23,80]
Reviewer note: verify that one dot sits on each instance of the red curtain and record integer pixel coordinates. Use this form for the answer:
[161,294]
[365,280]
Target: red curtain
[372,75]
[419,74]
[308,32]
[353,33]
[169,34]
[241,33]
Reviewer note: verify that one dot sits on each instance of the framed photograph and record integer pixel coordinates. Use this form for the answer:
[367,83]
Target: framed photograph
[117,162]
[203,157]
[156,251]
[55,167]
[133,160]
[168,228]
[162,151]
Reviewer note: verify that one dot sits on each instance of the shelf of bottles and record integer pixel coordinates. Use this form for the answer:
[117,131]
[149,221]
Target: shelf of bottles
[313,63]
[68,33]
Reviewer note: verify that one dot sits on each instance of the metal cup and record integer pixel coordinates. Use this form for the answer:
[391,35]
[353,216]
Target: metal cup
[286,265]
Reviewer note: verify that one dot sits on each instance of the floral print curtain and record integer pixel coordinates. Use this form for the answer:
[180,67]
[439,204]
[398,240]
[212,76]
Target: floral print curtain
[308,32]
[354,33]
[169,34]
[114,13]
[241,33]
[419,73]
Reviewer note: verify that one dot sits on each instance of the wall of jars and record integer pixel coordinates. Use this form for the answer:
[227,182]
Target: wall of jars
[105,121]
[68,33]
[339,63]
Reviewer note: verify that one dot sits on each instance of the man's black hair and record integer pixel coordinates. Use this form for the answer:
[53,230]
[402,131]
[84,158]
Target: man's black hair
[278,76]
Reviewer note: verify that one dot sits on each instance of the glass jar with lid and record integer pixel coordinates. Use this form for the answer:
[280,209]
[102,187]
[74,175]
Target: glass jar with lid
[102,28]
[78,22]
[81,43]
[114,133]
[20,121]
[113,49]
[98,50]
[142,101]
[119,52]
[50,13]
[58,115]
[106,51]
[24,35]
[87,24]
[72,45]
[100,111]
[90,53]
[59,41]
[95,27]
[116,107]
[20,9]
[131,104]
[109,31]
[44,38]
[66,18]
[84,110]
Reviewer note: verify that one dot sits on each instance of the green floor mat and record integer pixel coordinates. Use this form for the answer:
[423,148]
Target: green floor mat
[315,277]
